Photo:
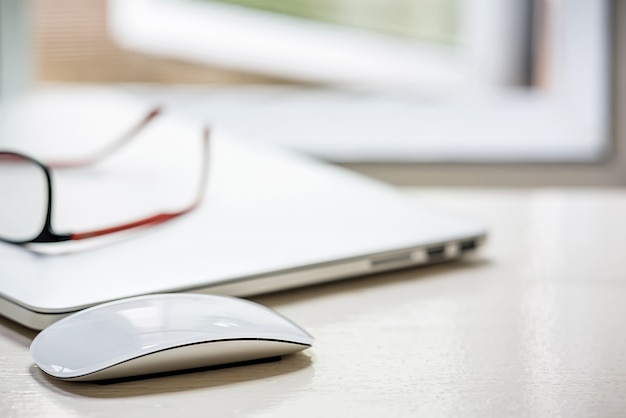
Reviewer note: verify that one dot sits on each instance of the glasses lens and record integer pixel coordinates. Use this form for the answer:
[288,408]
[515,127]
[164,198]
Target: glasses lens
[23,198]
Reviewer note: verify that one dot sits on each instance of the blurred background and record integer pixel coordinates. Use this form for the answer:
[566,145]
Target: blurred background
[414,92]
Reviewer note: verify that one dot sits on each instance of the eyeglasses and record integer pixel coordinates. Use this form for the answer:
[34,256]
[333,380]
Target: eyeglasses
[27,194]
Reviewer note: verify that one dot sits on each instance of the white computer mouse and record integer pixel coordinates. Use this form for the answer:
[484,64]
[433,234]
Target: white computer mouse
[163,333]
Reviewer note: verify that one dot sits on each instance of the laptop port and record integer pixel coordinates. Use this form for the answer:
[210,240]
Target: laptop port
[398,258]
[437,253]
[468,245]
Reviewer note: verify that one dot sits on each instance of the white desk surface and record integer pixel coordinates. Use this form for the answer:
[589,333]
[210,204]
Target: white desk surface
[535,326]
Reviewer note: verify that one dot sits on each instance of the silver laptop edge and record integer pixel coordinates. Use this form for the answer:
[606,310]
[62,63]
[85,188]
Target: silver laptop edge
[290,278]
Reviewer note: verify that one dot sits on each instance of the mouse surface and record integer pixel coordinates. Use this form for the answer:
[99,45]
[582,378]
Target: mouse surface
[163,333]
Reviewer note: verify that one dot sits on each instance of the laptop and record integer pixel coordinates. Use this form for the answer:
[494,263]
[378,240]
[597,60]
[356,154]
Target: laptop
[270,220]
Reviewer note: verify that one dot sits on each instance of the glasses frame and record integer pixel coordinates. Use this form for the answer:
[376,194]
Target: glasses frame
[48,235]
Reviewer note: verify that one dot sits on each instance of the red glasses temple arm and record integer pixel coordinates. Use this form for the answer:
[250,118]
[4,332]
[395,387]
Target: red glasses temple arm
[111,148]
[160,217]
